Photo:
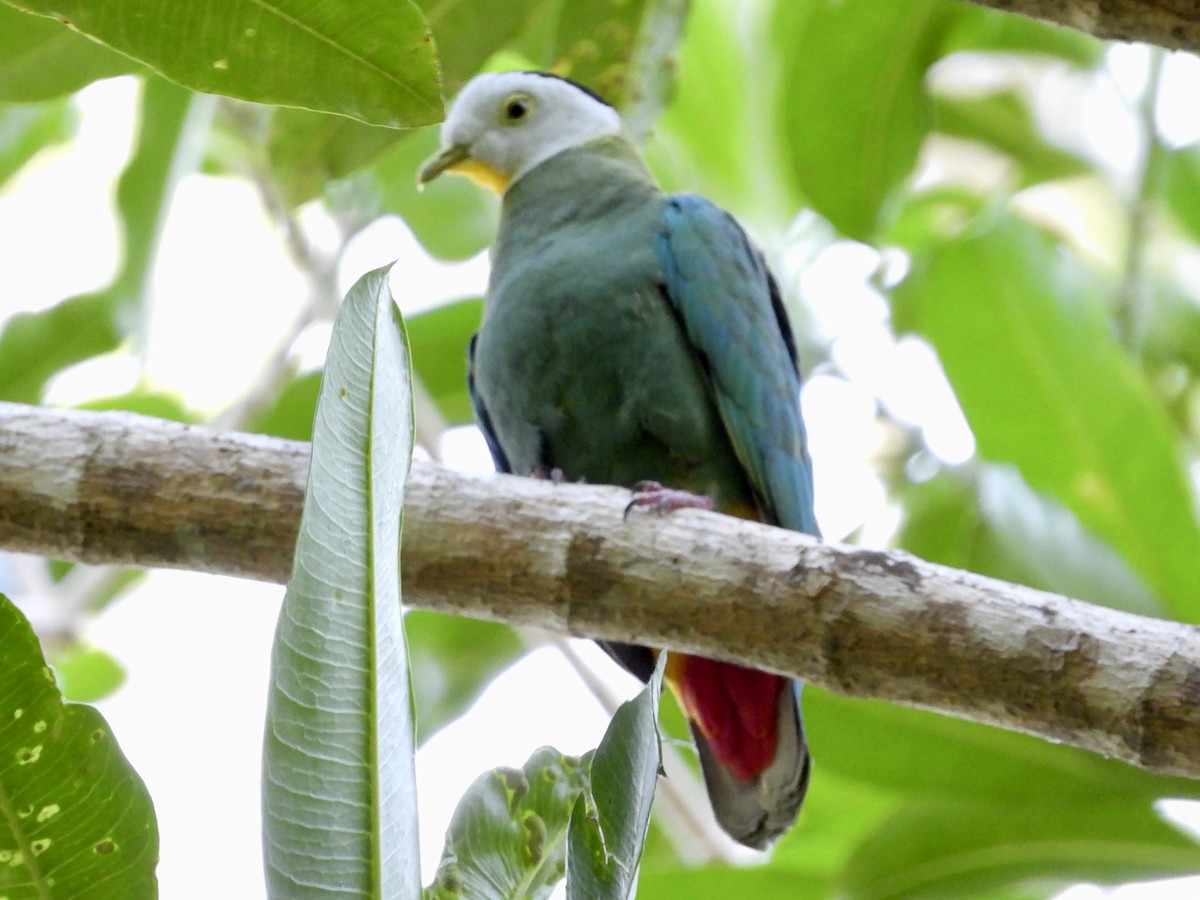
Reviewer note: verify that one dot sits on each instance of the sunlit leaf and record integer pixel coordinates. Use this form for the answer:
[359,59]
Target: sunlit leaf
[372,60]
[1004,122]
[77,820]
[1045,387]
[853,130]
[1182,188]
[980,28]
[40,59]
[339,792]
[27,128]
[87,674]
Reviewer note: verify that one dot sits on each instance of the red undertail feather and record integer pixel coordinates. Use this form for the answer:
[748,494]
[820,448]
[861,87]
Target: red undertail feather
[737,710]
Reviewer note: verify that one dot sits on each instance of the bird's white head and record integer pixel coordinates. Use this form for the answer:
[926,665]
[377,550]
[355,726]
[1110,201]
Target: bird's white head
[503,124]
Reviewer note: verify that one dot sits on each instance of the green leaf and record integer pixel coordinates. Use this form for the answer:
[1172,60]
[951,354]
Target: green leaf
[932,756]
[705,140]
[468,34]
[75,819]
[40,60]
[610,818]
[452,218]
[308,149]
[453,659]
[439,339]
[940,850]
[507,838]
[87,674]
[992,30]
[761,883]
[27,128]
[1003,121]
[147,402]
[291,414]
[591,43]
[853,130]
[1182,186]
[371,60]
[1045,387]
[993,524]
[34,346]
[339,793]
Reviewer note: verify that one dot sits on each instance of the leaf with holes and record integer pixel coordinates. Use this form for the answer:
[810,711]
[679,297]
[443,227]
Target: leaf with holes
[75,818]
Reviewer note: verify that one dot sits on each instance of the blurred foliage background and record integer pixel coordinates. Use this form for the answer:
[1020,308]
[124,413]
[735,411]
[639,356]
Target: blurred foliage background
[988,232]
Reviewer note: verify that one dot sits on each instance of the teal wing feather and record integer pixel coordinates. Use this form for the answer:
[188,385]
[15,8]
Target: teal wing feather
[730,309]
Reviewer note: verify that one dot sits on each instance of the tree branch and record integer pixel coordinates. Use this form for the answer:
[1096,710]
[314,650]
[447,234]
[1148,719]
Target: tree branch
[1174,24]
[120,488]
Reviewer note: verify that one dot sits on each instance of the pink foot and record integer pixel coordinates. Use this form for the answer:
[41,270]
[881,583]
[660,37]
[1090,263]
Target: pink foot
[663,500]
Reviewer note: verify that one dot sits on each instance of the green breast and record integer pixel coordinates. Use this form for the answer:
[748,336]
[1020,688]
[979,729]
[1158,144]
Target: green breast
[581,363]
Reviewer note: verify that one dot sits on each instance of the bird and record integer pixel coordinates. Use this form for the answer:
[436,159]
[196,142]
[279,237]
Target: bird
[637,338]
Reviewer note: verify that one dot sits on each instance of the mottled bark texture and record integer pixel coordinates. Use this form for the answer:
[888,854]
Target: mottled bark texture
[1174,24]
[119,488]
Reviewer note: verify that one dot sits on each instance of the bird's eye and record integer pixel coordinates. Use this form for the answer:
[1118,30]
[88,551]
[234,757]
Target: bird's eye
[517,107]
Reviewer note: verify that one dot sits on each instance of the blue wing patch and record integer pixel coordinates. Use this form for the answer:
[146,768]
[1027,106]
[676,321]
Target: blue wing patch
[730,309]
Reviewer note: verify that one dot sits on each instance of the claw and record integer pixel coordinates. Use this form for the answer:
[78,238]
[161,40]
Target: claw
[663,499]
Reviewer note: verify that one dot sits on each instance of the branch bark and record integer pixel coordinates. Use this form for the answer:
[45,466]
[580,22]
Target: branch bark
[120,488]
[1174,24]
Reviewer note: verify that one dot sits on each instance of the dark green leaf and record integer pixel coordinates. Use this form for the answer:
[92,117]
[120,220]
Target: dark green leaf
[609,822]
[508,835]
[87,674]
[40,59]
[339,792]
[1045,387]
[439,340]
[77,821]
[371,60]
[1003,121]
[853,129]
[453,659]
[26,128]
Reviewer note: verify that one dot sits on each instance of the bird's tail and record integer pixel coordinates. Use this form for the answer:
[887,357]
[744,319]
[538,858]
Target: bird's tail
[749,733]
